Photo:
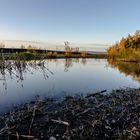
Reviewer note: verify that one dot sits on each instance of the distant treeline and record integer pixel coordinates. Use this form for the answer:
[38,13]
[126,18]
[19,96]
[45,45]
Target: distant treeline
[127,49]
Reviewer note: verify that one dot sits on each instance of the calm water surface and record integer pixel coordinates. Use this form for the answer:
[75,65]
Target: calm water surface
[57,78]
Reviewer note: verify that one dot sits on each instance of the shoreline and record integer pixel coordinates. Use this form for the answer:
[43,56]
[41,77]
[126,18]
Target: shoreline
[124,60]
[33,56]
[102,115]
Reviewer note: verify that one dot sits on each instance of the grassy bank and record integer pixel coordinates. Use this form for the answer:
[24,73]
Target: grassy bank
[50,55]
[95,116]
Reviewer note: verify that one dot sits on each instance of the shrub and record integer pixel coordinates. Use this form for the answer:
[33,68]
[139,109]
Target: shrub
[83,53]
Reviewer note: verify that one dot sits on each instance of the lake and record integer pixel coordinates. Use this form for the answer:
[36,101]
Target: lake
[56,78]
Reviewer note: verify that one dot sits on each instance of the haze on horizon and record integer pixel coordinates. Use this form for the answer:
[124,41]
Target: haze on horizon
[79,21]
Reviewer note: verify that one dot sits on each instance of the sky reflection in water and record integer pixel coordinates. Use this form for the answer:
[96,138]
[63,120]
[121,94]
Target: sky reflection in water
[57,78]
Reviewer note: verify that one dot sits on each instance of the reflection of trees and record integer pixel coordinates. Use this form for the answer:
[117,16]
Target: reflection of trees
[16,69]
[84,61]
[127,68]
[70,62]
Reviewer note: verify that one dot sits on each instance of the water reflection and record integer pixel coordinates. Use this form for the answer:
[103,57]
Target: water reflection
[69,63]
[21,81]
[16,69]
[128,68]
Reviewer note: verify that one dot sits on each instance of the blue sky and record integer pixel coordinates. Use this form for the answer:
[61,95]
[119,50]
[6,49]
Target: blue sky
[82,21]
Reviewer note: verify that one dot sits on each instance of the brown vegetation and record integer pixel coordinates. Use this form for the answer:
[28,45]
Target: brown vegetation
[96,116]
[127,49]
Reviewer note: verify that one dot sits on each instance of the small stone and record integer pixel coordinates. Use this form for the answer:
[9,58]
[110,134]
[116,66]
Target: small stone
[52,138]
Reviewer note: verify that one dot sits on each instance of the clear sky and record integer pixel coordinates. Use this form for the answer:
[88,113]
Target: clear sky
[82,21]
